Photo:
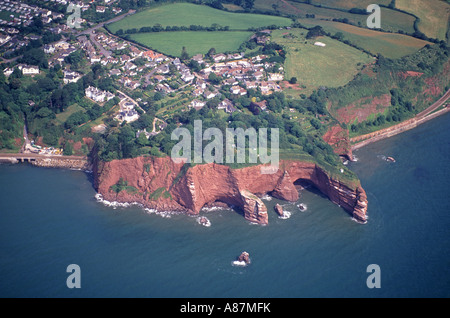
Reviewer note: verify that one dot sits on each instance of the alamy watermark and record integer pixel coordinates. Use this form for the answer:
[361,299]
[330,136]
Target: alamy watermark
[258,150]
[374,20]
[74,20]
[74,279]
[374,279]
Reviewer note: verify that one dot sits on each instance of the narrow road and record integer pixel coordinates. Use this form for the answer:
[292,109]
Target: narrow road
[132,100]
[101,24]
[435,106]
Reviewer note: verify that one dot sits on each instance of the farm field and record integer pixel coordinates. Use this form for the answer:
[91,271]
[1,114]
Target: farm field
[348,4]
[391,45]
[391,20]
[433,14]
[333,65]
[171,43]
[186,14]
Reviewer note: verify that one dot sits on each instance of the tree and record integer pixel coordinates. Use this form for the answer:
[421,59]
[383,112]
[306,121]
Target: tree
[46,84]
[315,32]
[339,36]
[293,80]
[211,52]
[214,79]
[68,149]
[15,83]
[76,119]
[184,54]
[35,56]
[193,64]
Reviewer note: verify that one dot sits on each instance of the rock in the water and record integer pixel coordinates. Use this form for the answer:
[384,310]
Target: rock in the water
[244,257]
[279,209]
[254,208]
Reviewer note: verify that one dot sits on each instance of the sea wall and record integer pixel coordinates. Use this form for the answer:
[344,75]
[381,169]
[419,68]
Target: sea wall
[63,162]
[364,140]
[161,184]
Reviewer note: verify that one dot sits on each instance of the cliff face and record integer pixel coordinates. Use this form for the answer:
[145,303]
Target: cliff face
[161,184]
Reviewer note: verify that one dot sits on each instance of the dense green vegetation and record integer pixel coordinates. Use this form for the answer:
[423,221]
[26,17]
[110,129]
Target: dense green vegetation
[38,101]
[387,77]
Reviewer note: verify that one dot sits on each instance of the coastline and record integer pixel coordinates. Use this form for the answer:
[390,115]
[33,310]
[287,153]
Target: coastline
[160,184]
[423,117]
[190,197]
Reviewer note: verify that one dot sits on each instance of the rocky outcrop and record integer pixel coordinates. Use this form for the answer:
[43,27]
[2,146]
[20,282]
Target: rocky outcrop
[285,188]
[254,209]
[244,257]
[338,138]
[160,183]
[279,209]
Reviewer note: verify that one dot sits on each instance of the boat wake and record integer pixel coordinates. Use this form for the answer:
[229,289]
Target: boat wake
[386,158]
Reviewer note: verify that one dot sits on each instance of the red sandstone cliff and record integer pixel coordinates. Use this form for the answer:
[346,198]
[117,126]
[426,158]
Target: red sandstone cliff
[161,184]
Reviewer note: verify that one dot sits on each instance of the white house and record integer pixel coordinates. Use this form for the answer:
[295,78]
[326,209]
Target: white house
[208,94]
[219,57]
[71,77]
[8,71]
[187,76]
[276,77]
[320,44]
[128,116]
[197,104]
[98,95]
[4,38]
[49,49]
[30,70]
[237,90]
[226,105]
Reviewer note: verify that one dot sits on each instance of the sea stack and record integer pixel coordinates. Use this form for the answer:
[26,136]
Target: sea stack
[279,210]
[244,257]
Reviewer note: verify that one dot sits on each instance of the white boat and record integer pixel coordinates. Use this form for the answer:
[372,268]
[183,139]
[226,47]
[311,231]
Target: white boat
[390,159]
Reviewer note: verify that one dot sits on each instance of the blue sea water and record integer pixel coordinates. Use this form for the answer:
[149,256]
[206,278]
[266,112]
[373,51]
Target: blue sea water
[49,218]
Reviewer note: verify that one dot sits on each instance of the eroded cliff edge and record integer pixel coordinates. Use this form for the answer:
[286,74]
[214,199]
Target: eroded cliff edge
[160,183]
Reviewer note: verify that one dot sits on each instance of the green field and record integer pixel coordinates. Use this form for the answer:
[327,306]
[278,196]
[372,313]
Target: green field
[349,4]
[186,14]
[171,43]
[433,14]
[391,20]
[391,45]
[332,66]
